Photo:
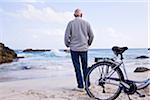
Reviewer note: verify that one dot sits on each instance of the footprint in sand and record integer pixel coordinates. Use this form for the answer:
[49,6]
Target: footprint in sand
[36,93]
[52,96]
[75,94]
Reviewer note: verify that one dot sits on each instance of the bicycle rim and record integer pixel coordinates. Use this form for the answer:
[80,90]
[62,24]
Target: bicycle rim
[141,81]
[107,89]
[142,85]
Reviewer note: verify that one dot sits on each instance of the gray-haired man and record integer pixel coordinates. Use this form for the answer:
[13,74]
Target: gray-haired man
[79,36]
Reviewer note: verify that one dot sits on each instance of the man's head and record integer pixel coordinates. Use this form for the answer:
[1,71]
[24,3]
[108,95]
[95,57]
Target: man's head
[77,13]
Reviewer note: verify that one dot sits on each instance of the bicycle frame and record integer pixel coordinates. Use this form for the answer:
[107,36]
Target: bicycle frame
[113,70]
[123,83]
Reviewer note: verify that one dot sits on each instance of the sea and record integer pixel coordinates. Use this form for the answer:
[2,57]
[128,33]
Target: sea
[57,63]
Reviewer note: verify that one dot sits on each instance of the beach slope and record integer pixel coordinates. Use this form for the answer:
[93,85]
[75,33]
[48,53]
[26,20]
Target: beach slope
[60,88]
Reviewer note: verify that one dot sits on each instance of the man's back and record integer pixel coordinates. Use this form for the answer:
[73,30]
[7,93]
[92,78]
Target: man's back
[80,35]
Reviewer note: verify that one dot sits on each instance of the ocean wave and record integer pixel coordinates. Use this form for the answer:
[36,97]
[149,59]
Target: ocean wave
[37,64]
[47,54]
[25,54]
[58,53]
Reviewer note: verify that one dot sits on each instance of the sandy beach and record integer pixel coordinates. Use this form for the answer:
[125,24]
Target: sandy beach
[60,88]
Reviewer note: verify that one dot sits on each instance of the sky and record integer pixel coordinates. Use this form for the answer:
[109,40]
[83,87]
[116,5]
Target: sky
[41,24]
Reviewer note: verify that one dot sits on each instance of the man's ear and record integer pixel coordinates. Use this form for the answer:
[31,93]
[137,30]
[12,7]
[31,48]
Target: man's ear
[75,15]
[81,15]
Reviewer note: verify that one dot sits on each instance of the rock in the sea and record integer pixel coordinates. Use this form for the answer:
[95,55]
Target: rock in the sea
[141,69]
[27,50]
[26,67]
[6,54]
[35,50]
[148,48]
[66,50]
[142,57]
[20,57]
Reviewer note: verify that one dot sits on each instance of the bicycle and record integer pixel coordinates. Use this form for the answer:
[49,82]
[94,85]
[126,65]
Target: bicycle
[111,79]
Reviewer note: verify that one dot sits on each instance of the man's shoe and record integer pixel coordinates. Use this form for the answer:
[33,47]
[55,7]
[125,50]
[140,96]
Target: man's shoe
[79,89]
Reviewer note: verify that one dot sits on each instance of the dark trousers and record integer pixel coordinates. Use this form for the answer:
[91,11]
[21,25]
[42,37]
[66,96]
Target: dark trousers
[77,58]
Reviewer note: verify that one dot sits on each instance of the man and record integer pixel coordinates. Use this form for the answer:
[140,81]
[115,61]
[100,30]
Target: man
[79,36]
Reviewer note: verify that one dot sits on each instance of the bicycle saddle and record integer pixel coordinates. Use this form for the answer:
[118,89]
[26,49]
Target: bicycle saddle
[118,50]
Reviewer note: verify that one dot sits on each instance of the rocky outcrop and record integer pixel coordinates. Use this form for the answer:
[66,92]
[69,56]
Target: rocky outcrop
[142,57]
[141,69]
[6,54]
[35,50]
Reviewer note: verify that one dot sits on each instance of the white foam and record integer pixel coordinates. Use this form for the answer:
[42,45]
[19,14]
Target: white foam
[58,53]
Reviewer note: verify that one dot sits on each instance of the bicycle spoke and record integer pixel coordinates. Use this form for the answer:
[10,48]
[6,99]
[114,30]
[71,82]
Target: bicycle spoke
[103,87]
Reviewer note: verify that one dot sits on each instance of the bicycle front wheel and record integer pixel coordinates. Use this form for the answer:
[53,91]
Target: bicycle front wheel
[103,82]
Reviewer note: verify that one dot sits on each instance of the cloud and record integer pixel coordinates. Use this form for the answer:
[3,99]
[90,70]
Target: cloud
[109,36]
[113,33]
[46,14]
[37,24]
[25,1]
[1,10]
[45,32]
[34,1]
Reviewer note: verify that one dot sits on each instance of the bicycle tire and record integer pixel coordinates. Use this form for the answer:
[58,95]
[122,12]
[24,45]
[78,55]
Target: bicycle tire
[142,86]
[141,83]
[107,64]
